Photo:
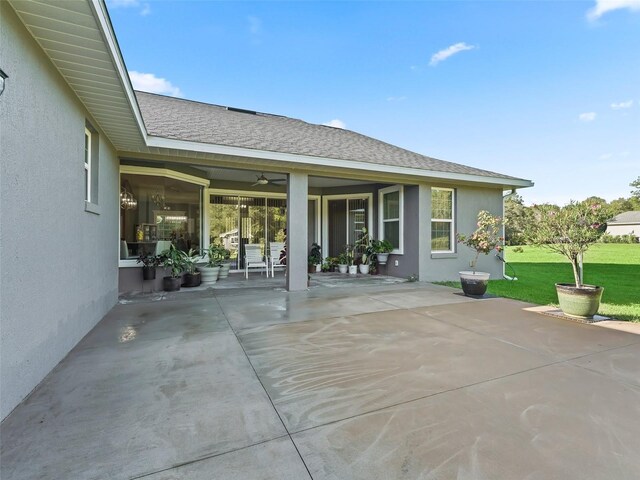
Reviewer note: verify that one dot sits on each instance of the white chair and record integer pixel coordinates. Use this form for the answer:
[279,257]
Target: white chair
[162,245]
[275,248]
[253,258]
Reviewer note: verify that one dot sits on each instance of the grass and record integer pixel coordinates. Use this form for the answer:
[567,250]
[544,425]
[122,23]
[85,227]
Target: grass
[616,267]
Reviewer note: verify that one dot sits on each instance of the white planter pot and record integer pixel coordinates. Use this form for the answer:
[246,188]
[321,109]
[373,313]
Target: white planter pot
[364,268]
[318,267]
[353,269]
[209,275]
[382,258]
[224,270]
[474,284]
[343,268]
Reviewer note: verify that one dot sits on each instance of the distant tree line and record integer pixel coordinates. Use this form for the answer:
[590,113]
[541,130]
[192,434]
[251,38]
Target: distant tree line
[518,216]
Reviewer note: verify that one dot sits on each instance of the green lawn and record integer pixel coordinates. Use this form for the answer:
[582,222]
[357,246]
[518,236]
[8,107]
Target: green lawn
[616,267]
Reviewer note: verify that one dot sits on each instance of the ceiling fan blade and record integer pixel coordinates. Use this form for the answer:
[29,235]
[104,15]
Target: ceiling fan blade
[278,180]
[257,183]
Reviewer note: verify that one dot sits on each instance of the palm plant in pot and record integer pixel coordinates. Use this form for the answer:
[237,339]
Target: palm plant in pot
[486,238]
[570,231]
[365,249]
[149,263]
[174,260]
[210,271]
[191,277]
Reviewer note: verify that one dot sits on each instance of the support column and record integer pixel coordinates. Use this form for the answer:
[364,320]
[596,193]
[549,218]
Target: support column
[297,226]
[424,231]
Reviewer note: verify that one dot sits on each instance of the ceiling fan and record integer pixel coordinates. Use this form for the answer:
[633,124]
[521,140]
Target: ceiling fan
[262,180]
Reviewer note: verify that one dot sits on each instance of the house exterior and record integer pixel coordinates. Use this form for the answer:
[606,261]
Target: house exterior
[626,223]
[94,173]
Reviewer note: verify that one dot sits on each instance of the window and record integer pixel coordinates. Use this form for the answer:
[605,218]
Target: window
[390,206]
[442,219]
[87,164]
[91,168]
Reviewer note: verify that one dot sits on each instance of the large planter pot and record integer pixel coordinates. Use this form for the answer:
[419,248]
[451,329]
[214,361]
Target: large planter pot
[171,284]
[474,284]
[318,267]
[364,268]
[343,268]
[353,269]
[148,273]
[311,268]
[224,270]
[382,258]
[191,280]
[209,275]
[580,302]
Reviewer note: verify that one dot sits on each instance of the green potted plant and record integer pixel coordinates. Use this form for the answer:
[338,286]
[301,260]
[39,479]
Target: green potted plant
[364,248]
[570,231]
[226,263]
[382,249]
[149,263]
[486,238]
[315,258]
[191,277]
[174,260]
[344,261]
[210,271]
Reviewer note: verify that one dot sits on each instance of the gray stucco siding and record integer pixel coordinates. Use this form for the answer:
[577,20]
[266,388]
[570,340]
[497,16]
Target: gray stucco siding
[59,261]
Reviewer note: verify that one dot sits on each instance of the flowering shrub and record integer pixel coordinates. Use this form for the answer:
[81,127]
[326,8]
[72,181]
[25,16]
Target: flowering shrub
[486,237]
[568,230]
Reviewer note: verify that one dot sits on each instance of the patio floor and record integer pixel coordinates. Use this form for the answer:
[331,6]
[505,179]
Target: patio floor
[381,381]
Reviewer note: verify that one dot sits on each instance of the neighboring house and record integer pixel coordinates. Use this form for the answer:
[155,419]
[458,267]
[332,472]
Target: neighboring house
[94,173]
[627,223]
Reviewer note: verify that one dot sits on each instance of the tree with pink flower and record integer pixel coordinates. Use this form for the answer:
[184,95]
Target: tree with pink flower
[486,238]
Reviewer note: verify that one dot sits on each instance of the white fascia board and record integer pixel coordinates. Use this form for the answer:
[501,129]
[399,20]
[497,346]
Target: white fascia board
[170,143]
[102,18]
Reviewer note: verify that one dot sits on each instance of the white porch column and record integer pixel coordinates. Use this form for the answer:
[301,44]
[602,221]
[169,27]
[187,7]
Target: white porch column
[297,225]
[424,231]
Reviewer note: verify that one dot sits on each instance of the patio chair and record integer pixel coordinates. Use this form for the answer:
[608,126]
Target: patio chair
[253,259]
[275,248]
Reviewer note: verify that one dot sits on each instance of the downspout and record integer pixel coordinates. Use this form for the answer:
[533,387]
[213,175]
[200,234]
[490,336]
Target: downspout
[504,263]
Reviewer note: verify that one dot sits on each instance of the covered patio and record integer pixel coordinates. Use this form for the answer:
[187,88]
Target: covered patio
[380,380]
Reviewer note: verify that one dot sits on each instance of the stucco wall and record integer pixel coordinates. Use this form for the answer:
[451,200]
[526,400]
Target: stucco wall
[628,229]
[59,262]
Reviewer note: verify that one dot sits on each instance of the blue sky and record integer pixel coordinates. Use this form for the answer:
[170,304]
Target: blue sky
[548,91]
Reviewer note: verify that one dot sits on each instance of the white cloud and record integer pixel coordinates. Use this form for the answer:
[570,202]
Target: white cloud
[449,51]
[606,156]
[587,116]
[396,99]
[621,105]
[148,82]
[603,6]
[145,8]
[336,123]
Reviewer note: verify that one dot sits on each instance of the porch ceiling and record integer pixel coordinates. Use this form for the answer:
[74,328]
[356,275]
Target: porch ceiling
[71,34]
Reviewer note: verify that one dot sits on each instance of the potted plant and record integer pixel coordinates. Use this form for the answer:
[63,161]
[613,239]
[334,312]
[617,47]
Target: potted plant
[570,231]
[343,262]
[191,277]
[484,239]
[382,249]
[209,272]
[365,248]
[315,258]
[149,263]
[173,259]
[226,264]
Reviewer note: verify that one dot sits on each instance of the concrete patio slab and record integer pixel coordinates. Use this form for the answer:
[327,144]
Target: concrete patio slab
[555,422]
[507,321]
[453,388]
[325,370]
[273,460]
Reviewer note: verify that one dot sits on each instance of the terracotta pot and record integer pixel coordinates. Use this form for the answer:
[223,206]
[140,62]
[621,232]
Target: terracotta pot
[580,302]
[474,284]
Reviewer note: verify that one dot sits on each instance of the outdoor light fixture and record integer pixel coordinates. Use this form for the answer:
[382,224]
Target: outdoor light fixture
[127,200]
[3,77]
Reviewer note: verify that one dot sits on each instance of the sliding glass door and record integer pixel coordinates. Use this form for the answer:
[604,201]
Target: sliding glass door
[345,220]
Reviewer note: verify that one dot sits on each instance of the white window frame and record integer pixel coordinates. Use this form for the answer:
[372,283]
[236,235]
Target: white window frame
[381,220]
[88,160]
[451,220]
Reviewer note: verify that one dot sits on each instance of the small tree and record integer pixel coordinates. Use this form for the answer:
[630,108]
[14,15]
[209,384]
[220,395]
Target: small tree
[486,237]
[568,230]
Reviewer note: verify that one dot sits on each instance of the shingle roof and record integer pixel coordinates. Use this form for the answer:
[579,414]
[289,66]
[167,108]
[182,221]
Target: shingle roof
[626,217]
[180,119]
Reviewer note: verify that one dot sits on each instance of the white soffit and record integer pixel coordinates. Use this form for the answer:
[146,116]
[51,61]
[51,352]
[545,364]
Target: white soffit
[69,33]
